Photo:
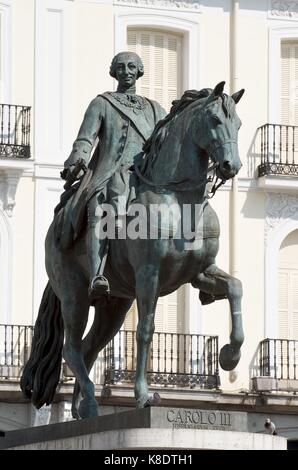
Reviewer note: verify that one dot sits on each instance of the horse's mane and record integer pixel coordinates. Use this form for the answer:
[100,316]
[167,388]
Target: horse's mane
[153,144]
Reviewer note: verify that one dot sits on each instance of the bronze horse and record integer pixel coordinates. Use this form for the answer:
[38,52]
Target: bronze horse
[202,125]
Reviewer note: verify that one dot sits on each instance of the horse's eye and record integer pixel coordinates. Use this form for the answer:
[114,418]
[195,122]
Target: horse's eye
[216,120]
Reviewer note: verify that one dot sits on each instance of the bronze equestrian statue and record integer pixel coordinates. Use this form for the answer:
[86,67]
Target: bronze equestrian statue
[172,170]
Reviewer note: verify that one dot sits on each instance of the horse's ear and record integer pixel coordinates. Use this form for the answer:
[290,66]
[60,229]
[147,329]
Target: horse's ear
[238,95]
[218,89]
[216,92]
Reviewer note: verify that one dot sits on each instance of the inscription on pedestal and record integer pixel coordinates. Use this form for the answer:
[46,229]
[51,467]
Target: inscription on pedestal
[180,418]
[199,419]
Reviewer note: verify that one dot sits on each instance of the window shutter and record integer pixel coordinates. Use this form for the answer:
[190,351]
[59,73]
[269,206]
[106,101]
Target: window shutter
[288,304]
[169,313]
[289,84]
[132,41]
[283,304]
[128,346]
[294,312]
[161,55]
[294,84]
[166,313]
[131,318]
[285,83]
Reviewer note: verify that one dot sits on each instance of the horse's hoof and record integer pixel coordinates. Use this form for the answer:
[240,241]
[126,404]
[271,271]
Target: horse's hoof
[88,408]
[143,402]
[229,357]
[150,401]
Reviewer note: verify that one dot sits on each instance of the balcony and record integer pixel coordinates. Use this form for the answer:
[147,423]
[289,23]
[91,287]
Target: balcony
[176,360]
[15,344]
[279,150]
[14,131]
[278,366]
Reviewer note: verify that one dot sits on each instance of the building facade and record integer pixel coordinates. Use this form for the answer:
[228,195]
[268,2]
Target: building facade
[54,58]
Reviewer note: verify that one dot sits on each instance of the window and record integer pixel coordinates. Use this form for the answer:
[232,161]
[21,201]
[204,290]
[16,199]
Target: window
[162,57]
[288,288]
[289,83]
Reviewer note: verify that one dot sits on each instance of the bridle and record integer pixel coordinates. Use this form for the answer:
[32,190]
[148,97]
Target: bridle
[213,146]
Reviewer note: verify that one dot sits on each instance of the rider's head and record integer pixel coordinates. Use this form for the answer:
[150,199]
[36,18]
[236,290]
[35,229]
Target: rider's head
[126,62]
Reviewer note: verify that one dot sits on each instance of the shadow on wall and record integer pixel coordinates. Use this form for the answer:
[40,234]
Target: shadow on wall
[253,157]
[254,366]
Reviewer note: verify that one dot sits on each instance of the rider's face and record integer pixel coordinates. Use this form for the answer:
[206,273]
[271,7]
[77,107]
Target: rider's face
[126,71]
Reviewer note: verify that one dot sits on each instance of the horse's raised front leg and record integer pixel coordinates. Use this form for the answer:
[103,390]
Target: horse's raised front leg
[217,282]
[146,293]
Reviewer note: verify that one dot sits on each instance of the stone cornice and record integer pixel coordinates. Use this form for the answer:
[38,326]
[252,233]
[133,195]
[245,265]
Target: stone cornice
[284,9]
[188,5]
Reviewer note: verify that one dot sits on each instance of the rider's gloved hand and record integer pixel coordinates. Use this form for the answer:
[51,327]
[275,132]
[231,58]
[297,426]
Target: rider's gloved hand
[74,171]
[64,174]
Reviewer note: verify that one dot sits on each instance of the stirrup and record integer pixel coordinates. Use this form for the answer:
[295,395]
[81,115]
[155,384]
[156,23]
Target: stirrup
[99,286]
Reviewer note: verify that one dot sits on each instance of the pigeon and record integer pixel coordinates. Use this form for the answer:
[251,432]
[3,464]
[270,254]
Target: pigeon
[153,401]
[270,427]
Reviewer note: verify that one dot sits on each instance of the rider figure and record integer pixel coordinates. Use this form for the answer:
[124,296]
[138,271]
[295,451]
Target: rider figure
[120,122]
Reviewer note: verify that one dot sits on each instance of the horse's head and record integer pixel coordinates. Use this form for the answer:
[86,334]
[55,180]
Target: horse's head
[220,125]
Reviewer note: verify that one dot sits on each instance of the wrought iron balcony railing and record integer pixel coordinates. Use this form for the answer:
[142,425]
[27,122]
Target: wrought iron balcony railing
[279,150]
[15,344]
[181,360]
[277,368]
[14,131]
[279,359]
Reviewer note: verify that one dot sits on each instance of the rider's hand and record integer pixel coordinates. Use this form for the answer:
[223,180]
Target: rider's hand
[66,172]
[73,172]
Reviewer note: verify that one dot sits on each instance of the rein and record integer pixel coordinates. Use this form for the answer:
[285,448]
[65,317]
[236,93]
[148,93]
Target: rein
[174,185]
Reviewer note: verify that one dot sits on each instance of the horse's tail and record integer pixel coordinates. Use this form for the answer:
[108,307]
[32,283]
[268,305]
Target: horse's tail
[42,371]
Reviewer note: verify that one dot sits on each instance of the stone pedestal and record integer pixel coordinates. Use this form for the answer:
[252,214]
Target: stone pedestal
[150,428]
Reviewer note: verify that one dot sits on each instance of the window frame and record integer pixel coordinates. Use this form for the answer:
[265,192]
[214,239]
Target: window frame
[186,27]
